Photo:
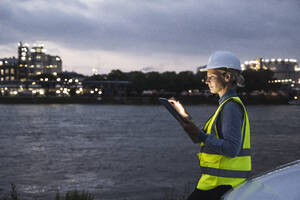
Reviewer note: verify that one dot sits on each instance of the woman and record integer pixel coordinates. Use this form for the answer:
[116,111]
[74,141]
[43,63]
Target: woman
[224,156]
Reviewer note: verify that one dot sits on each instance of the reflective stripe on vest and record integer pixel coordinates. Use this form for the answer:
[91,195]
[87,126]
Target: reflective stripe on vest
[225,173]
[219,169]
[243,152]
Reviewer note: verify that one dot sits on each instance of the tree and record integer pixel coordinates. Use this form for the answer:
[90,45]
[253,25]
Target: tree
[168,81]
[257,80]
[138,80]
[117,75]
[154,81]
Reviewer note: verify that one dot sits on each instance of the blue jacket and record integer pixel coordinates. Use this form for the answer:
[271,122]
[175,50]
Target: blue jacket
[229,126]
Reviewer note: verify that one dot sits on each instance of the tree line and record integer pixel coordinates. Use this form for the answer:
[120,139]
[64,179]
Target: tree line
[171,81]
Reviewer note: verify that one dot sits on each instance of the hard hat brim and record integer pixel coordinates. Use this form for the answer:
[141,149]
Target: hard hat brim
[217,67]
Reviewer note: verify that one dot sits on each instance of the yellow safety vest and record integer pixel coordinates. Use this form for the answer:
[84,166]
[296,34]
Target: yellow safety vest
[219,169]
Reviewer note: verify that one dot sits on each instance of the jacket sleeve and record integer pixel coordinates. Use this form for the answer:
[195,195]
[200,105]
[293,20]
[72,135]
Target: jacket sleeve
[229,126]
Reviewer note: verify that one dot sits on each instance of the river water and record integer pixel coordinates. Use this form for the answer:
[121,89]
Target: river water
[123,152]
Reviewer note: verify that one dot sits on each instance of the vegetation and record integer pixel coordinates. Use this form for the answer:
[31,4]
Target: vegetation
[186,80]
[70,195]
[75,195]
[258,80]
[85,195]
[166,81]
[131,86]
[13,193]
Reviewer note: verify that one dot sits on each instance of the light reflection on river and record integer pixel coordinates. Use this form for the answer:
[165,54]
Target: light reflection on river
[122,152]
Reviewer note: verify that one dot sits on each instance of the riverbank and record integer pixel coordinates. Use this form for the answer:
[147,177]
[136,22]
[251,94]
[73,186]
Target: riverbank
[144,100]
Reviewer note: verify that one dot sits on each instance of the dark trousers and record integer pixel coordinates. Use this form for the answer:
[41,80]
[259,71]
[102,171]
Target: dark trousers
[213,194]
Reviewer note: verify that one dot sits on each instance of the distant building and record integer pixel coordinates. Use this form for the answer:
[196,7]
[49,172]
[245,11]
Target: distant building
[8,69]
[20,77]
[36,62]
[30,63]
[286,71]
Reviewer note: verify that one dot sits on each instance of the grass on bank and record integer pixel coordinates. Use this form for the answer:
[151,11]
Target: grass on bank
[170,194]
[70,195]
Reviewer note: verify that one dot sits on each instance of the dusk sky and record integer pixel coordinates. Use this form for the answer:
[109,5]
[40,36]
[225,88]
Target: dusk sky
[150,35]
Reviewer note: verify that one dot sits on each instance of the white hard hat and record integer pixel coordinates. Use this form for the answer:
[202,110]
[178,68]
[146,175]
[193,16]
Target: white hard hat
[223,59]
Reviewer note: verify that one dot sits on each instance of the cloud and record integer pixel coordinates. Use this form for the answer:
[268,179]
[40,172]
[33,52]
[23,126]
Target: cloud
[190,30]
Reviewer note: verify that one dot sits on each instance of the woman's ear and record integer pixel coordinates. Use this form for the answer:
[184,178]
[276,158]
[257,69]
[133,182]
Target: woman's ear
[228,77]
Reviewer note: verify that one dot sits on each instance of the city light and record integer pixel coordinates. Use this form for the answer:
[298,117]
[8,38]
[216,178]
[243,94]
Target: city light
[13,92]
[95,71]
[253,62]
[15,71]
[292,60]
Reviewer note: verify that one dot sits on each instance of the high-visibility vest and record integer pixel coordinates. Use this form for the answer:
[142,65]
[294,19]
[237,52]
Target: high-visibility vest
[219,169]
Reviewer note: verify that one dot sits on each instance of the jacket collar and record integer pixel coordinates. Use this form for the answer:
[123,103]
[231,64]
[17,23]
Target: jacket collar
[230,93]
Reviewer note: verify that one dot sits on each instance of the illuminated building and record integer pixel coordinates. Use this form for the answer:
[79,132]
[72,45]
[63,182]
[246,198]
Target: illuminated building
[8,69]
[20,77]
[286,71]
[30,63]
[36,62]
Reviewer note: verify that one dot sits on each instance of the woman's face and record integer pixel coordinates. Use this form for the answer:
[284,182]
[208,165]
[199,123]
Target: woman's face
[216,81]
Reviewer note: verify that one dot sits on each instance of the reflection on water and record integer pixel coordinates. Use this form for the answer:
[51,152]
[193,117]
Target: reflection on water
[119,152]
